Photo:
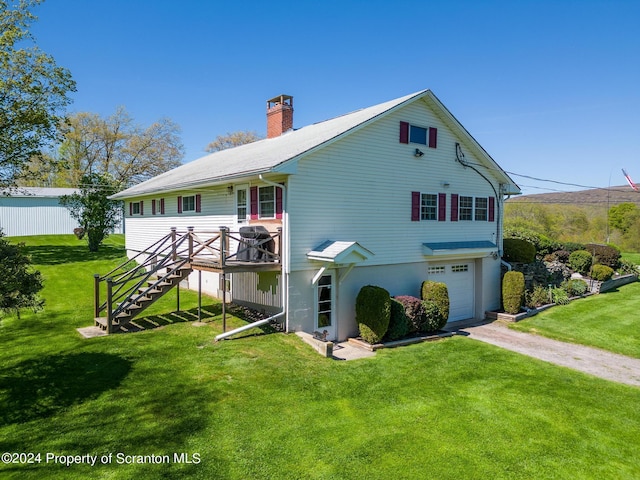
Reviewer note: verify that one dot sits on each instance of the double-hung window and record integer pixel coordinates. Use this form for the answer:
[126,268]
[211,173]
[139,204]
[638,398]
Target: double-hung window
[135,208]
[267,202]
[465,205]
[481,209]
[189,203]
[429,206]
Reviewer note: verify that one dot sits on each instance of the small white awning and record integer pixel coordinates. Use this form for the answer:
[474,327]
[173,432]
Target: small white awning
[338,253]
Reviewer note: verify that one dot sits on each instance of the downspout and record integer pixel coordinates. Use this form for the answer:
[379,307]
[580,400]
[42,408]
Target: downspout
[284,248]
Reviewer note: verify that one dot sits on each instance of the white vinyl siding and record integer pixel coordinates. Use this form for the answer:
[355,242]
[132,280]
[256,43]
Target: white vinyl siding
[359,189]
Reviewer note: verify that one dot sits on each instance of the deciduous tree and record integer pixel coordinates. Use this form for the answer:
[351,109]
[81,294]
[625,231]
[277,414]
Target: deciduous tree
[230,140]
[117,147]
[33,92]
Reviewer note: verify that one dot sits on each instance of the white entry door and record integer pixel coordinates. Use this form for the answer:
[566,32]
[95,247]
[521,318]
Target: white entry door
[459,278]
[325,306]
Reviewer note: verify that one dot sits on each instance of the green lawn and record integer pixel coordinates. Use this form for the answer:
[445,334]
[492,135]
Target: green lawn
[268,406]
[609,321]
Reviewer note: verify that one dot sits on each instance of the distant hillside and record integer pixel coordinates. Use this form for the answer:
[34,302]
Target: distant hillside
[598,196]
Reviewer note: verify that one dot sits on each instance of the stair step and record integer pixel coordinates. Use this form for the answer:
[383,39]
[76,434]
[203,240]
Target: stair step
[101,322]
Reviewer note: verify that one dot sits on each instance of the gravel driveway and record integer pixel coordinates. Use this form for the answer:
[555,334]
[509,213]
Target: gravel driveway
[600,363]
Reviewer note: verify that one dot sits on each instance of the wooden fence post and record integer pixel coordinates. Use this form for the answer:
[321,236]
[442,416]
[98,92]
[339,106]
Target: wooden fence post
[96,295]
[109,304]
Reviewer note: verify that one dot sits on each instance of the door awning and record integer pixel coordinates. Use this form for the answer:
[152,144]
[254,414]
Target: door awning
[339,252]
[468,249]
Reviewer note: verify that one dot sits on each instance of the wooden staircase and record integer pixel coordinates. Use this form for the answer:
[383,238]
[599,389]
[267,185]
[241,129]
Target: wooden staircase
[144,296]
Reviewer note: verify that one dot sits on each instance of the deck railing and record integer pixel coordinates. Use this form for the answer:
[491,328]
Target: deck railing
[128,282]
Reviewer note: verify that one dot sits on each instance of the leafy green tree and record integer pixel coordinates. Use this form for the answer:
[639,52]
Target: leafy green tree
[95,212]
[623,216]
[118,147]
[20,283]
[230,140]
[33,92]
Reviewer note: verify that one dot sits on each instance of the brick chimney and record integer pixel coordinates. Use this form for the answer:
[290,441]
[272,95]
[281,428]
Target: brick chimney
[279,115]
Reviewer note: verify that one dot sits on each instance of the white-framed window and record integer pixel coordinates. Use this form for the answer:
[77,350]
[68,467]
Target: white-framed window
[135,208]
[428,206]
[189,203]
[439,270]
[242,204]
[325,302]
[418,134]
[465,208]
[266,202]
[482,208]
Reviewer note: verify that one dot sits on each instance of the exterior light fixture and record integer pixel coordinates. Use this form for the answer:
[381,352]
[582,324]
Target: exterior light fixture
[418,153]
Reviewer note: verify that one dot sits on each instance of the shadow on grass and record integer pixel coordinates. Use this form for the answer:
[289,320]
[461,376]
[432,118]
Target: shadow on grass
[210,313]
[60,254]
[41,387]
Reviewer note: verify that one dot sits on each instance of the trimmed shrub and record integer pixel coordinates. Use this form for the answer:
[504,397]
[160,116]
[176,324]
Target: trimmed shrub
[602,273]
[373,313]
[546,245]
[512,291]
[519,250]
[414,310]
[575,287]
[604,254]
[434,320]
[398,323]
[580,261]
[560,296]
[537,297]
[437,292]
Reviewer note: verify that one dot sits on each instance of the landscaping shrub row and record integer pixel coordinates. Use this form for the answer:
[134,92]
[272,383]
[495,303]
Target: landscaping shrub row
[382,317]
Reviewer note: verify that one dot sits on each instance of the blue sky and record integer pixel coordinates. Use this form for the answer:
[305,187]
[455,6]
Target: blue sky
[551,89]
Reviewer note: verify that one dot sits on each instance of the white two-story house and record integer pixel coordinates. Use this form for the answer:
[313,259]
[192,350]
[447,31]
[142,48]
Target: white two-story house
[390,195]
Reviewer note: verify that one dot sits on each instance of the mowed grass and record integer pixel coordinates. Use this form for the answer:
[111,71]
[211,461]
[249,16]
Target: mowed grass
[609,321]
[266,406]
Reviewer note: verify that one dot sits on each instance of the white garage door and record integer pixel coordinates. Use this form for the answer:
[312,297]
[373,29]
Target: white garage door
[458,276]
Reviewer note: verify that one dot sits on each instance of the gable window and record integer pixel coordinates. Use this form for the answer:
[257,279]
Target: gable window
[429,206]
[466,208]
[417,134]
[481,209]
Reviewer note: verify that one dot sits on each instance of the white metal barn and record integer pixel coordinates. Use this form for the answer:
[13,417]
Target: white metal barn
[35,211]
[390,195]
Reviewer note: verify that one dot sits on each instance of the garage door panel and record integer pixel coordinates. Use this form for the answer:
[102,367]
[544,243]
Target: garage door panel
[459,278]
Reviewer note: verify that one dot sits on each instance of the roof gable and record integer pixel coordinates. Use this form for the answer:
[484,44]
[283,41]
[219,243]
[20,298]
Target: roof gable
[279,154]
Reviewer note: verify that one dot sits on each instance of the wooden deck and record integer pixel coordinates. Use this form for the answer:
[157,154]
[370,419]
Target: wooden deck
[231,266]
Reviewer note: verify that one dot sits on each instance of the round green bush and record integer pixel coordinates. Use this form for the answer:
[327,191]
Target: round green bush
[518,250]
[414,311]
[437,292]
[512,291]
[576,287]
[602,273]
[398,323]
[580,261]
[373,313]
[435,320]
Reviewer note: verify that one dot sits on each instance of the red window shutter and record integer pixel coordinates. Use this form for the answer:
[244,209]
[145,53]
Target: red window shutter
[454,207]
[162,206]
[278,202]
[130,209]
[198,203]
[415,206]
[492,209]
[179,204]
[141,207]
[442,207]
[253,194]
[433,137]
[153,207]
[404,132]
